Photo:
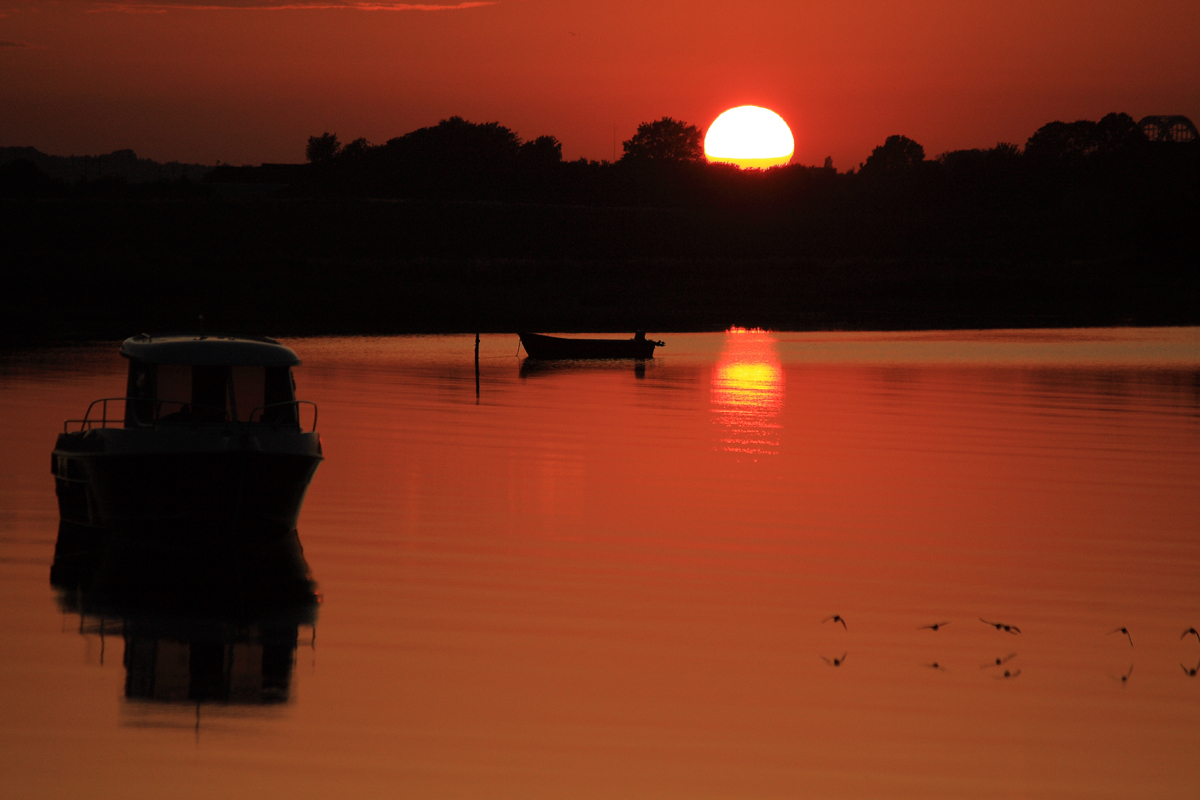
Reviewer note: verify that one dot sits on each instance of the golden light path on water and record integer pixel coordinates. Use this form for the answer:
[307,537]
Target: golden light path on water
[747,392]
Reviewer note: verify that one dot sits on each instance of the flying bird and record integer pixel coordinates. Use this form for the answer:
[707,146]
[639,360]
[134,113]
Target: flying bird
[1000,661]
[1124,631]
[1008,675]
[1192,631]
[1192,670]
[1013,629]
[835,618]
[834,662]
[932,627]
[935,665]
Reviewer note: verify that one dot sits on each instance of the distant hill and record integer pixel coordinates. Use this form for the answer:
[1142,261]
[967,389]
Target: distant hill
[122,164]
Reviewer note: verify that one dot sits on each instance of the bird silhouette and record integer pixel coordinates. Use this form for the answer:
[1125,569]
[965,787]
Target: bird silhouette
[932,627]
[1191,671]
[935,665]
[1124,631]
[1125,678]
[1013,629]
[1192,631]
[1000,661]
[834,662]
[1008,675]
[835,618]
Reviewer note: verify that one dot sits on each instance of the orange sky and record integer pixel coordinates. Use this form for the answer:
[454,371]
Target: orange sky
[208,80]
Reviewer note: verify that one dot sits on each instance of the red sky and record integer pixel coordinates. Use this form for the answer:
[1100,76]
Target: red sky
[246,81]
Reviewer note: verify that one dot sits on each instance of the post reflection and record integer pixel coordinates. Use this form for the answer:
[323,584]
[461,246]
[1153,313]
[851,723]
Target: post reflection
[747,393]
[216,624]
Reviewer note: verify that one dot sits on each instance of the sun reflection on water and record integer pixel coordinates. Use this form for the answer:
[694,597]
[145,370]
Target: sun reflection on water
[747,393]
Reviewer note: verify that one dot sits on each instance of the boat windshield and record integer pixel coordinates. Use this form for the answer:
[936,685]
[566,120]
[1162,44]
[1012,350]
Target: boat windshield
[209,393]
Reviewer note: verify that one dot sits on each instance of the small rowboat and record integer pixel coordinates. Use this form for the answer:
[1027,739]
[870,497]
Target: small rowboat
[557,347]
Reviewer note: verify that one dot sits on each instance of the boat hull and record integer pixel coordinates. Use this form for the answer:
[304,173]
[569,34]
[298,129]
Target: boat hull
[157,483]
[555,347]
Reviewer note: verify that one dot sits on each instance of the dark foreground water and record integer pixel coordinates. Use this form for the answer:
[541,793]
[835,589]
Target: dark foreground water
[604,581]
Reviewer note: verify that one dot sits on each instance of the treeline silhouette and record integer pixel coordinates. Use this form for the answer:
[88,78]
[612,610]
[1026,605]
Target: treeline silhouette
[464,226]
[663,164]
[28,172]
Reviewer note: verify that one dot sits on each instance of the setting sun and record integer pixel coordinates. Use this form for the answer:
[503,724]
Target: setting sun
[750,137]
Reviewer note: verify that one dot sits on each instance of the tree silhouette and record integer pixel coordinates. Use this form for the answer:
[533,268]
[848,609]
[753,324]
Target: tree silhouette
[1005,150]
[1083,139]
[1062,141]
[359,148]
[454,158]
[665,140]
[1003,154]
[1115,133]
[896,154]
[457,142]
[541,152]
[463,136]
[322,149]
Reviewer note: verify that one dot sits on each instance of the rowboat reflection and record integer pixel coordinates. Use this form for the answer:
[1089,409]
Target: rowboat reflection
[533,367]
[214,626]
[747,393]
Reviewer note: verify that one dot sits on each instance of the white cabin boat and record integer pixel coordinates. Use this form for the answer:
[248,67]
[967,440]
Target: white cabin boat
[206,440]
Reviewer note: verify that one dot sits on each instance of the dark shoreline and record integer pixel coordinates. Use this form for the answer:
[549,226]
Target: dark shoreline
[287,266]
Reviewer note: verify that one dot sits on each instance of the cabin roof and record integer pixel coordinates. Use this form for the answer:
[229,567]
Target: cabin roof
[208,349]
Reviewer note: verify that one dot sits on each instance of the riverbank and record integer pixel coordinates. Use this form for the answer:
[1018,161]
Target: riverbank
[294,266]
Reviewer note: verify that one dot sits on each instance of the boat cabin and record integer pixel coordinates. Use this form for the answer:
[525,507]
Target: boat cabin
[198,378]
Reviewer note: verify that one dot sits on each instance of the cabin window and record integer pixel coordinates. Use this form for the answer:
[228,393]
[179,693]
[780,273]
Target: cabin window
[173,389]
[139,407]
[210,393]
[279,392]
[249,391]
[192,393]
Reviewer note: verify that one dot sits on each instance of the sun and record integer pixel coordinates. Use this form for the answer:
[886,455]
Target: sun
[749,136]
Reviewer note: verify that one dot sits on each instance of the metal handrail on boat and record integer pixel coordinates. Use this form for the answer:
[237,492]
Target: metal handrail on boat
[187,410]
[261,411]
[87,423]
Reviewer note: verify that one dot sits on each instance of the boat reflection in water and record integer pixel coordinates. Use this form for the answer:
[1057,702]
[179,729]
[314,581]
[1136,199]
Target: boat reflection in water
[747,393]
[217,625]
[178,507]
[535,367]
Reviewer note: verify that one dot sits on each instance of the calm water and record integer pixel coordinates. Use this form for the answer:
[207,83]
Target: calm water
[596,581]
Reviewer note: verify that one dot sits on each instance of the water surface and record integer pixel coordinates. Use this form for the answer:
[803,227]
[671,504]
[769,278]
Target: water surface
[609,580]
